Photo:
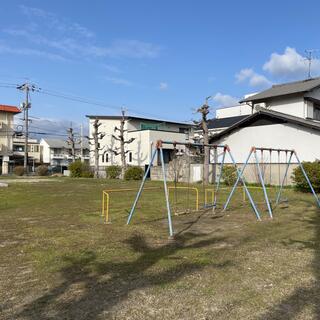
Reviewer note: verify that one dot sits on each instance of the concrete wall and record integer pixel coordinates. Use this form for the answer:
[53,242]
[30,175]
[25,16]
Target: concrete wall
[293,105]
[285,136]
[238,110]
[6,133]
[250,173]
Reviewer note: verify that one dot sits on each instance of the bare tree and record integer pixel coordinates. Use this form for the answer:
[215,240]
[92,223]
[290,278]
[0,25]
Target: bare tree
[94,141]
[121,138]
[71,142]
[203,123]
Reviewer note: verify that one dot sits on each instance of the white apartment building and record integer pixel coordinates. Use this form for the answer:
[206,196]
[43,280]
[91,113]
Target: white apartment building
[145,131]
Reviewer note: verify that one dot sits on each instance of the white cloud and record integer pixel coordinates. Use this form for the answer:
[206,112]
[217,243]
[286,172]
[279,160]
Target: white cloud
[111,68]
[46,127]
[224,100]
[290,64]
[163,86]
[5,49]
[119,81]
[46,31]
[254,79]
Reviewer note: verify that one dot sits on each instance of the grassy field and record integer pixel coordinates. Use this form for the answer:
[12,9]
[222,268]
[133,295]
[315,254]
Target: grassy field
[58,260]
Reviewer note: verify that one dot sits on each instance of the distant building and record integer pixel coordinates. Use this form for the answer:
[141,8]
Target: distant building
[34,152]
[6,136]
[145,131]
[57,152]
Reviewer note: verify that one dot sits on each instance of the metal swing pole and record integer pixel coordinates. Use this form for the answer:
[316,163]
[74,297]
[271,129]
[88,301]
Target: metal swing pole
[240,174]
[166,191]
[142,185]
[307,178]
[284,179]
[262,183]
[238,178]
[220,174]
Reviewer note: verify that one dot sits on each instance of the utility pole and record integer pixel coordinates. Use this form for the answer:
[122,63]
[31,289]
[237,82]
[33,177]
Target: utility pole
[204,111]
[26,87]
[71,142]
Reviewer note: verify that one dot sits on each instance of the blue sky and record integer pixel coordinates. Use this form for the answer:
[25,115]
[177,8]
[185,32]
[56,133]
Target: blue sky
[156,58]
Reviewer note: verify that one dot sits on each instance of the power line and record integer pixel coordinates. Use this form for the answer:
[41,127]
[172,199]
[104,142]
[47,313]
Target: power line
[89,101]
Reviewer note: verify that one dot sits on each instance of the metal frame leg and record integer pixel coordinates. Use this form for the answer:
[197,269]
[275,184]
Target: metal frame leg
[283,180]
[263,185]
[307,178]
[238,179]
[141,186]
[218,183]
[166,194]
[240,174]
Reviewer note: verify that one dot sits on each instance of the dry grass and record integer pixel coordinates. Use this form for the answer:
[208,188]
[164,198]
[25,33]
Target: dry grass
[59,261]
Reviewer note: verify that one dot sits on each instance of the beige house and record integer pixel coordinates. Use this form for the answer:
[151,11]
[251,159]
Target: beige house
[34,151]
[6,136]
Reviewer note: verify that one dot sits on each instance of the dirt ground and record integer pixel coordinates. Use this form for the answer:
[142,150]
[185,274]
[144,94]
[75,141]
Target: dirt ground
[59,261]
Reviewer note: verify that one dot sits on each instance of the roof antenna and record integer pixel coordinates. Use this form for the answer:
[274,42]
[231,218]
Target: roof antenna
[309,57]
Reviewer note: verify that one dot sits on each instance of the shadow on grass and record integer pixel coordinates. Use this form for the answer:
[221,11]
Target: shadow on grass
[106,284]
[304,296]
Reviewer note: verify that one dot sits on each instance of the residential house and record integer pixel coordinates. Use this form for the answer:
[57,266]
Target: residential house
[57,152]
[285,116]
[144,131]
[34,151]
[6,136]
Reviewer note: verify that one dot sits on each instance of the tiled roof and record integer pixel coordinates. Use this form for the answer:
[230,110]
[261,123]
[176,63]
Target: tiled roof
[224,122]
[285,89]
[11,109]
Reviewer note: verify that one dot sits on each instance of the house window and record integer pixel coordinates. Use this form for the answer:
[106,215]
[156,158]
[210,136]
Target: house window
[130,156]
[107,157]
[316,112]
[102,158]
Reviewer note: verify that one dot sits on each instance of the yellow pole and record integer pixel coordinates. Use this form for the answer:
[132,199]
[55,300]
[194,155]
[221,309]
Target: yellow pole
[244,194]
[107,209]
[102,213]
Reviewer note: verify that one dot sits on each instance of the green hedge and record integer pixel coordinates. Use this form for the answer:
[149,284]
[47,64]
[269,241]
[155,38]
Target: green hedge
[42,170]
[133,173]
[113,172]
[80,169]
[18,170]
[313,171]
[229,175]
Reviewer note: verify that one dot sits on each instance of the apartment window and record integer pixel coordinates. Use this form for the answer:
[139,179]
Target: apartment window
[130,156]
[316,112]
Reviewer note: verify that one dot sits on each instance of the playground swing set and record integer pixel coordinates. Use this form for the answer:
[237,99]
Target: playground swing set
[214,192]
[158,150]
[253,152]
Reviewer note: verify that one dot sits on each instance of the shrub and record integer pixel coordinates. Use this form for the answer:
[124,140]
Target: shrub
[18,171]
[133,173]
[313,171]
[113,172]
[42,170]
[80,169]
[229,175]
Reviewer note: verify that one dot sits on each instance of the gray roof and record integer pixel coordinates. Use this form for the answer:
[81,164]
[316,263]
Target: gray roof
[263,112]
[285,89]
[224,122]
[60,143]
